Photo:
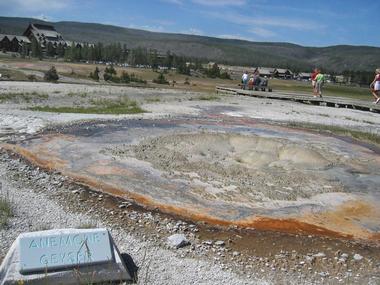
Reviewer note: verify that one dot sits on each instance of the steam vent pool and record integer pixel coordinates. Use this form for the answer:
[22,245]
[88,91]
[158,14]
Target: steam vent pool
[229,171]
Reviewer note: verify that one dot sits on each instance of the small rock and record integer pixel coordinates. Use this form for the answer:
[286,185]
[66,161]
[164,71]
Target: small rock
[208,242]
[235,253]
[220,243]
[319,255]
[310,259]
[324,274]
[344,256]
[357,257]
[177,241]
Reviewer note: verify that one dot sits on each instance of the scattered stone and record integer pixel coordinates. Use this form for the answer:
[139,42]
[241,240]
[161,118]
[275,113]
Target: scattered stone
[177,241]
[220,243]
[357,257]
[319,255]
[344,256]
[310,259]
[324,274]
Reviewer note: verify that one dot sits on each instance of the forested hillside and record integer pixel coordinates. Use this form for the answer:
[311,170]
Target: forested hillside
[237,52]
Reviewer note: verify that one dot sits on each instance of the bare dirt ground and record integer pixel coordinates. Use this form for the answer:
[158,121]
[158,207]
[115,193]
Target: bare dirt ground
[242,256]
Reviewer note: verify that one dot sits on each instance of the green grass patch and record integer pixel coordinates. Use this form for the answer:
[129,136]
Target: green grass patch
[100,106]
[5,210]
[207,97]
[22,97]
[12,74]
[359,135]
[153,100]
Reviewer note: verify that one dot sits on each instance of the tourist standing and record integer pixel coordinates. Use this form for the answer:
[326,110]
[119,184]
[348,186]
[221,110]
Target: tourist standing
[375,86]
[313,81]
[244,80]
[319,82]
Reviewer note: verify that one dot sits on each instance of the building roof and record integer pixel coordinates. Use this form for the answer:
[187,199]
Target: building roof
[12,37]
[265,70]
[44,33]
[23,39]
[304,74]
[283,71]
[44,27]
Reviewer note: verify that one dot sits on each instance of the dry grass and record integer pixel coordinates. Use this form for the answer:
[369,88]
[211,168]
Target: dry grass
[5,207]
[122,105]
[359,135]
[198,84]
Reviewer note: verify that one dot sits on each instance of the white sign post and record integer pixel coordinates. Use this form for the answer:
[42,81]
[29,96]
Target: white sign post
[64,256]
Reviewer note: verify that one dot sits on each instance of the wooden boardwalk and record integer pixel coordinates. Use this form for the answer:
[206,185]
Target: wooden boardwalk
[336,102]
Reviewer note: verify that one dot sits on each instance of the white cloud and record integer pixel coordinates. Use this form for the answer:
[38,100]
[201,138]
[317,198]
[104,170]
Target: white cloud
[221,2]
[296,24]
[178,2]
[149,28]
[261,32]
[193,31]
[43,17]
[34,5]
[236,37]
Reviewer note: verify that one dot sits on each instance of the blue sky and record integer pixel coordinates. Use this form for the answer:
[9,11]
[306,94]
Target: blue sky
[309,23]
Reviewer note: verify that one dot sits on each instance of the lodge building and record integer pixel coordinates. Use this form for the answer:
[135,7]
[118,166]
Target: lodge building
[44,34]
[13,43]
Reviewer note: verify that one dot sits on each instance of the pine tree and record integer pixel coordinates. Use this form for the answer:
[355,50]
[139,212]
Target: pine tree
[50,50]
[36,48]
[24,50]
[95,75]
[60,50]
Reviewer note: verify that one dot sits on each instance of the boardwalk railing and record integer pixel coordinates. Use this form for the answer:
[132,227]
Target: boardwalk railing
[336,102]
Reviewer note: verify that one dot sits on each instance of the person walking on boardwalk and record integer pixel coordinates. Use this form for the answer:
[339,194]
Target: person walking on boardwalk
[319,82]
[313,81]
[244,80]
[375,86]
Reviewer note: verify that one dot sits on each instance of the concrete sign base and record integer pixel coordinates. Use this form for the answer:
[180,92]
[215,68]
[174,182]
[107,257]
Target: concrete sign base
[111,270]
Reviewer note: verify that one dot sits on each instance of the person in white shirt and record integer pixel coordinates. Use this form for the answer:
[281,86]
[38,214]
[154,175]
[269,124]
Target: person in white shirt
[244,80]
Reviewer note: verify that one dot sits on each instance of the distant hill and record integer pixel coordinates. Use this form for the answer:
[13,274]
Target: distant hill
[237,52]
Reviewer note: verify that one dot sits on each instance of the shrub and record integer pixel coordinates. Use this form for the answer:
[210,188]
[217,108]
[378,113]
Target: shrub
[161,79]
[225,75]
[110,74]
[134,78]
[110,70]
[51,75]
[187,81]
[32,77]
[95,75]
[125,78]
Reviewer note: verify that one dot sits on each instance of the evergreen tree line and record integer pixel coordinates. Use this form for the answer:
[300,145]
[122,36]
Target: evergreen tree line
[117,53]
[362,78]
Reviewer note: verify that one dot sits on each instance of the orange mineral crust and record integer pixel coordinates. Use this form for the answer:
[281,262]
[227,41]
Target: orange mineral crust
[267,178]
